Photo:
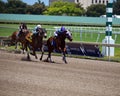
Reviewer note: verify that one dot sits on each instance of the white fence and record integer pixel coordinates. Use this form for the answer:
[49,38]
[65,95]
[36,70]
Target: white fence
[82,32]
[79,31]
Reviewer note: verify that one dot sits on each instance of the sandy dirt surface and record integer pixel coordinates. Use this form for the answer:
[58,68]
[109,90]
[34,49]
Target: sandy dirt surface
[80,77]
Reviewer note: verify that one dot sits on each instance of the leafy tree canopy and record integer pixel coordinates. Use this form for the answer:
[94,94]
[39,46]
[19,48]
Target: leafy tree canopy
[96,10]
[64,8]
[57,8]
[116,7]
[19,7]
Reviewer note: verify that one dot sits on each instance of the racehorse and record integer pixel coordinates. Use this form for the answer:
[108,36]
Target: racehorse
[59,44]
[22,38]
[37,43]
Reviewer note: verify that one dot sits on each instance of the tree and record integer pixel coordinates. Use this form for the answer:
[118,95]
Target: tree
[29,9]
[96,10]
[38,8]
[16,6]
[2,7]
[116,7]
[19,7]
[64,8]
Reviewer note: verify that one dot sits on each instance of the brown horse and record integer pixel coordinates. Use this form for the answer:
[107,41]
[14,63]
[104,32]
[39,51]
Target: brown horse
[37,43]
[59,44]
[22,38]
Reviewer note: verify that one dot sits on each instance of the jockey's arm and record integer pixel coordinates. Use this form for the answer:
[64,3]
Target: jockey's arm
[55,33]
[37,29]
[20,28]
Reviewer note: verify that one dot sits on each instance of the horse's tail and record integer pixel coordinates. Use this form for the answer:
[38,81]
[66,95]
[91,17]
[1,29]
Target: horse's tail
[12,37]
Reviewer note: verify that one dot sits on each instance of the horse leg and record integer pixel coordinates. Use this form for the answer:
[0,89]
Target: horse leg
[16,45]
[42,50]
[49,58]
[64,57]
[41,55]
[35,54]
[28,55]
[23,48]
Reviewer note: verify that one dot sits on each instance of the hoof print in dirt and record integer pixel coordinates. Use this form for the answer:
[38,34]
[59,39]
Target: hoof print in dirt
[17,51]
[46,60]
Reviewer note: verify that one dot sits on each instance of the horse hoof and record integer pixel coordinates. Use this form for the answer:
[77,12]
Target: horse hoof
[52,62]
[32,54]
[28,58]
[40,59]
[65,62]
[46,60]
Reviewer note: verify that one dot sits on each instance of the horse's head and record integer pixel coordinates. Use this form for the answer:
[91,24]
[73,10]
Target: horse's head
[69,35]
[45,32]
[42,32]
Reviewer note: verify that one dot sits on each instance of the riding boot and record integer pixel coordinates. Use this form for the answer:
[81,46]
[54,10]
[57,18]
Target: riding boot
[30,40]
[52,43]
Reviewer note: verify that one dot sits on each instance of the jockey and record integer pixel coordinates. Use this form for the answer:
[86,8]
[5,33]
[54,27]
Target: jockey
[59,31]
[22,27]
[35,31]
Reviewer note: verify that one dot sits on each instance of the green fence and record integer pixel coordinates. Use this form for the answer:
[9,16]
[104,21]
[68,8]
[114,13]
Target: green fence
[56,19]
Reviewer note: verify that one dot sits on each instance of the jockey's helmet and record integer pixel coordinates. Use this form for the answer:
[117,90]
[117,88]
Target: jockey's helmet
[63,28]
[38,26]
[22,23]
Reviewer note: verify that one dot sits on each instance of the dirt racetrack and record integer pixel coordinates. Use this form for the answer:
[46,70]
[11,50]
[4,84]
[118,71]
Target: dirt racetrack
[80,77]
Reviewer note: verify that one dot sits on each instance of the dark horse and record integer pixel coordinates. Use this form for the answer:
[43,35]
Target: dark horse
[37,43]
[59,44]
[22,38]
